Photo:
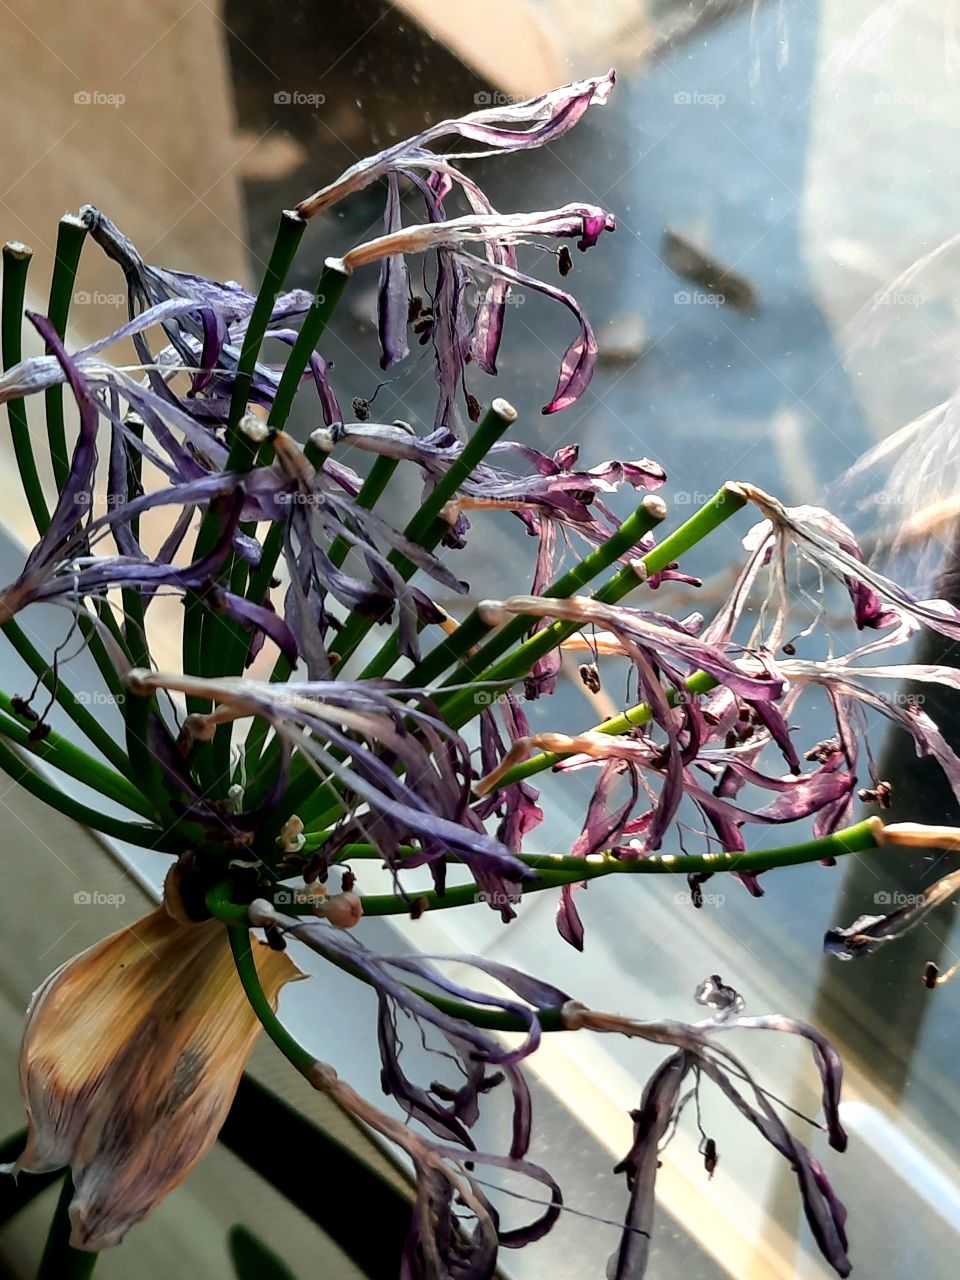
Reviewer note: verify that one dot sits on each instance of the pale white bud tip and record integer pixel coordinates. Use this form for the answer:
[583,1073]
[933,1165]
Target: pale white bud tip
[323,439]
[655,506]
[254,428]
[504,409]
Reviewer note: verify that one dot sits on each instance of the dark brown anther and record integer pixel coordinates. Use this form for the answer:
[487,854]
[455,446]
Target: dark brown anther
[930,975]
[473,408]
[38,733]
[275,939]
[789,649]
[347,881]
[20,707]
[590,675]
[414,309]
[730,741]
[709,1152]
[417,907]
[880,795]
[564,260]
[361,409]
[695,885]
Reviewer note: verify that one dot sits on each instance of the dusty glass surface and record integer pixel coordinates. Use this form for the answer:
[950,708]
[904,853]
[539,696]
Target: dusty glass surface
[812,149]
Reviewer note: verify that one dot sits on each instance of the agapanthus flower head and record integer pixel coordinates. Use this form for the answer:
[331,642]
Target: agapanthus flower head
[296,739]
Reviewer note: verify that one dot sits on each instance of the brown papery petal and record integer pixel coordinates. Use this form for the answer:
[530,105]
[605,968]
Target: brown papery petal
[130,1060]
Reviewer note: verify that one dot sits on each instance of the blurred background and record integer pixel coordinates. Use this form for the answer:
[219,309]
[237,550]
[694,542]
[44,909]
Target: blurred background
[809,148]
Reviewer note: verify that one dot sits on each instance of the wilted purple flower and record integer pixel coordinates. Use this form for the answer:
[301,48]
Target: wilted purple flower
[515,126]
[398,785]
[447,237]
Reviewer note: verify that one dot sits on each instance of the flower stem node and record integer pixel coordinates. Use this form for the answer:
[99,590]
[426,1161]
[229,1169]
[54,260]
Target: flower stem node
[139,682]
[572,1015]
[255,428]
[492,613]
[323,439]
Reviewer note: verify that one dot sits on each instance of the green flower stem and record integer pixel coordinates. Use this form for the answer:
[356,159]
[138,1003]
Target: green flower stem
[137,710]
[215,632]
[371,491]
[242,449]
[856,839]
[242,948]
[60,1260]
[16,261]
[70,237]
[427,527]
[554,870]
[696,684]
[235,917]
[65,756]
[463,705]
[289,234]
[86,722]
[16,264]
[646,517]
[151,837]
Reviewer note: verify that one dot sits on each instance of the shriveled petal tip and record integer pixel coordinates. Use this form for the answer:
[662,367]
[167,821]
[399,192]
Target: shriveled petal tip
[131,1056]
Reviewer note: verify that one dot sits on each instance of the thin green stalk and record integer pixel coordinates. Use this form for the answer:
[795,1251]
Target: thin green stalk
[16,263]
[60,1260]
[329,290]
[463,705]
[330,287]
[28,778]
[856,839]
[370,494]
[426,528]
[646,517]
[239,935]
[69,759]
[137,711]
[289,233]
[85,721]
[235,918]
[555,870]
[242,450]
[632,718]
[70,237]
